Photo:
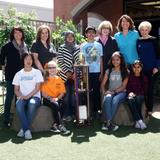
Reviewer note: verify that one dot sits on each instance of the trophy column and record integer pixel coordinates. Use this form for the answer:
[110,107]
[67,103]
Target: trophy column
[82,94]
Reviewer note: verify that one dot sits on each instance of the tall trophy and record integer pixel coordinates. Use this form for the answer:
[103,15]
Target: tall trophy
[82,93]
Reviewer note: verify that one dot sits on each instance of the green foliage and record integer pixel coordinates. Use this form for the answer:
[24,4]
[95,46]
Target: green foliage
[14,18]
[61,27]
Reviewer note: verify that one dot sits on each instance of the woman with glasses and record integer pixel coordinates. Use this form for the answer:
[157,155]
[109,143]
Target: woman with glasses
[108,42]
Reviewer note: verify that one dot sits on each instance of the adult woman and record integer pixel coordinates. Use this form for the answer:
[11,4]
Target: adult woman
[109,43]
[42,49]
[147,47]
[126,38]
[27,89]
[10,59]
[68,55]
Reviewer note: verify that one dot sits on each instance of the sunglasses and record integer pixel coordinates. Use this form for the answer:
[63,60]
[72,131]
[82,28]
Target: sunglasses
[51,67]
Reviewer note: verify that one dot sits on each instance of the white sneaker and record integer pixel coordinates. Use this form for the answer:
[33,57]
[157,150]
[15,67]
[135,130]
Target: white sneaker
[27,134]
[142,124]
[20,133]
[137,125]
[63,130]
[104,127]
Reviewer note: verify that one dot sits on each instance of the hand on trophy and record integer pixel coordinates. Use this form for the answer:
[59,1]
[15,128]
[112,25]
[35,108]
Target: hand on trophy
[69,75]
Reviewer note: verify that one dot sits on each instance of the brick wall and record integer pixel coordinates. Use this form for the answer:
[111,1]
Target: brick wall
[62,8]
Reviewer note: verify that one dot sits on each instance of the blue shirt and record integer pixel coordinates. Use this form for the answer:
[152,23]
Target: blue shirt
[92,52]
[147,53]
[127,45]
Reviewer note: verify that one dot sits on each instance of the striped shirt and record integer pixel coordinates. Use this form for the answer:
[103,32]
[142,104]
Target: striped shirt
[66,60]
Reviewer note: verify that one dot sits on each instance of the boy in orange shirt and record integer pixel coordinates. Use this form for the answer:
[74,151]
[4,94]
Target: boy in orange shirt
[53,90]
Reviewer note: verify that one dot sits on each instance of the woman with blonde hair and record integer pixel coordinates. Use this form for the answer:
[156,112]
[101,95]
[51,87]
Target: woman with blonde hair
[108,43]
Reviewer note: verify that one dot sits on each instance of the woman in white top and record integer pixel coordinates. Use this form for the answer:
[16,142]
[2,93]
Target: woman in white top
[27,89]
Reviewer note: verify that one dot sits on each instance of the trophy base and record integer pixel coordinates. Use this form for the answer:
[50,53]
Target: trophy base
[84,123]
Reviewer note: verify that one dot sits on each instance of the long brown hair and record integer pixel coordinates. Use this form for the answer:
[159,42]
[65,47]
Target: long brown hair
[129,19]
[39,31]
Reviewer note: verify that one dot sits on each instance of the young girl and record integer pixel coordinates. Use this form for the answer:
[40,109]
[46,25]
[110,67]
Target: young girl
[136,89]
[53,90]
[117,77]
[27,89]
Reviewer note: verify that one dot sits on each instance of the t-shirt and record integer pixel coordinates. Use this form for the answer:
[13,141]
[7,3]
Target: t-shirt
[115,79]
[53,87]
[92,52]
[128,45]
[44,54]
[27,81]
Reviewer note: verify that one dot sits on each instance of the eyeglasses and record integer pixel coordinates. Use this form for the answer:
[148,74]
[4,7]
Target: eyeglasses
[51,67]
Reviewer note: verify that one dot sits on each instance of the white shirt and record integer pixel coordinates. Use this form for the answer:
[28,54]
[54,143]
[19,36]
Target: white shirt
[27,81]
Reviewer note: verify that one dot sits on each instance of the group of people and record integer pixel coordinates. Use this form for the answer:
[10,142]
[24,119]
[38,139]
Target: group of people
[120,67]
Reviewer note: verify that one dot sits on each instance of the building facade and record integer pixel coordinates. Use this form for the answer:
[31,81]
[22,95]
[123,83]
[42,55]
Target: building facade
[84,12]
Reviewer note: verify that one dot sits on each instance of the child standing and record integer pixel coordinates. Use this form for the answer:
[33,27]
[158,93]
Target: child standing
[53,90]
[92,53]
[115,93]
[136,89]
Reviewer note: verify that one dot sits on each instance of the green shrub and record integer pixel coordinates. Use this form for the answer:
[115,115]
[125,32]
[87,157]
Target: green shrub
[14,18]
[61,27]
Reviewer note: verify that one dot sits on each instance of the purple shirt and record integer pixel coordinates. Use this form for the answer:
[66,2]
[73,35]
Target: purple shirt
[137,85]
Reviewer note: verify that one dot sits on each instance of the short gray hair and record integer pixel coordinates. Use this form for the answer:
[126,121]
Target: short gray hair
[145,24]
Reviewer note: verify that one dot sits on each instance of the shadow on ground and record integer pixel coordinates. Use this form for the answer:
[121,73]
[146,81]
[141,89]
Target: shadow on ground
[81,134]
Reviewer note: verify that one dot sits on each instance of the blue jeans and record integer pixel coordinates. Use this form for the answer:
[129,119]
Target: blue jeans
[69,99]
[8,101]
[135,104]
[111,103]
[26,110]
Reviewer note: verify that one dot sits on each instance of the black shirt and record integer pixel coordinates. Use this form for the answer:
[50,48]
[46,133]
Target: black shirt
[10,57]
[44,54]
[108,49]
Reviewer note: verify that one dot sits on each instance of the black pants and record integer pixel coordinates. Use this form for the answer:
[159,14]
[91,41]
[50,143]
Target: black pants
[94,87]
[56,110]
[135,105]
[149,95]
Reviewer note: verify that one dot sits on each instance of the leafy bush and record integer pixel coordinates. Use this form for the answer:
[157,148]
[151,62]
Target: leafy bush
[61,27]
[14,18]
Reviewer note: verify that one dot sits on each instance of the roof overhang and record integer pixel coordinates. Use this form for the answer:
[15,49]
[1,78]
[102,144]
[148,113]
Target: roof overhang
[80,7]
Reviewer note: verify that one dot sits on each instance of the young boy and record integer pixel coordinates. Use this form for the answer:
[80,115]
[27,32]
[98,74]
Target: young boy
[92,56]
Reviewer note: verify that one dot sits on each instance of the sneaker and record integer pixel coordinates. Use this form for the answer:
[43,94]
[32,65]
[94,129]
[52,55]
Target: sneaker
[104,127]
[113,127]
[137,125]
[63,130]
[142,124]
[27,134]
[55,129]
[20,133]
